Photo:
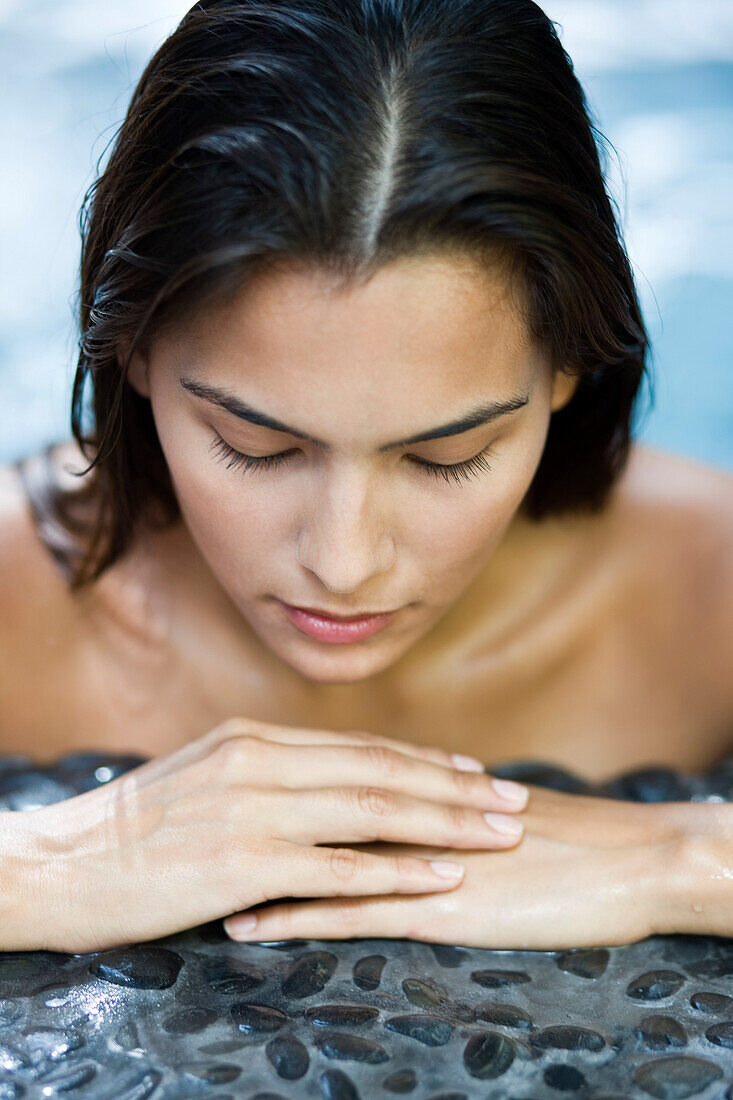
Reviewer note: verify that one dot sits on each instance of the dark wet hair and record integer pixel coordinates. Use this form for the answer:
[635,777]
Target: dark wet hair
[347,134]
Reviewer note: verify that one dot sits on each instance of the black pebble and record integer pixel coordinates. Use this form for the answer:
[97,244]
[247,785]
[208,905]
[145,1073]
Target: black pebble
[584,964]
[138,967]
[188,1020]
[284,945]
[676,1077]
[711,1002]
[309,974]
[353,1048]
[567,1037]
[288,1056]
[650,785]
[563,1077]
[368,971]
[255,1019]
[401,1081]
[541,774]
[336,1085]
[493,1012]
[229,975]
[429,1030]
[488,1055]
[18,965]
[660,1032]
[654,985]
[225,1046]
[340,1015]
[721,1034]
[213,1073]
[423,994]
[496,979]
[449,956]
[85,771]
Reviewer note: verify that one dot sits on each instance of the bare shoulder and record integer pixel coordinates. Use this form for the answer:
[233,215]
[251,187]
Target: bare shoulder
[672,517]
[661,494]
[39,617]
[28,575]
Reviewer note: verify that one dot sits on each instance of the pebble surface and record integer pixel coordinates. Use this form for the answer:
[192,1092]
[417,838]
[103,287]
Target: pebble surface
[197,1014]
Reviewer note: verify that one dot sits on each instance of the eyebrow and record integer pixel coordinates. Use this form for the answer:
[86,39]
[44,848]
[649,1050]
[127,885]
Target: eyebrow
[480,414]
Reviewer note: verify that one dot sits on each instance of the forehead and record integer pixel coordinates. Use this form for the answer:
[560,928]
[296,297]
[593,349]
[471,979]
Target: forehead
[444,323]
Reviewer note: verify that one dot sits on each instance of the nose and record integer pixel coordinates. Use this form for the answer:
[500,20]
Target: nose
[343,540]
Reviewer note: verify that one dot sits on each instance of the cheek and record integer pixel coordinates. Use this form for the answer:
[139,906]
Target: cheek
[456,529]
[232,515]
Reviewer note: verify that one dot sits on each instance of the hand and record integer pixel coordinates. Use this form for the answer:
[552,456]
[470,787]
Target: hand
[588,872]
[233,819]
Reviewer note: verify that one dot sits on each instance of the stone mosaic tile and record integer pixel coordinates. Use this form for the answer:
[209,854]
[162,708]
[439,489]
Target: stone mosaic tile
[198,1015]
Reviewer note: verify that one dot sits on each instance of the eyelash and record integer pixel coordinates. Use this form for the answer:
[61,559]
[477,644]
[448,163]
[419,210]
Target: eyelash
[458,470]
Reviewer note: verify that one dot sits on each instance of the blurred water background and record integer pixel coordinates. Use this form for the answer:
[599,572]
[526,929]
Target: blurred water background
[659,79]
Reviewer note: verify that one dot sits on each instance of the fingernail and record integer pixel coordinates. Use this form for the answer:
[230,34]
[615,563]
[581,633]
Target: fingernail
[446,868]
[505,788]
[503,824]
[243,924]
[466,763]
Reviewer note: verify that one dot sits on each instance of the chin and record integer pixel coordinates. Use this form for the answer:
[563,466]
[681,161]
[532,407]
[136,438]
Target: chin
[343,665]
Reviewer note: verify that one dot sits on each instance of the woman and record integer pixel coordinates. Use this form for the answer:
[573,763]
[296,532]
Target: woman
[364,343]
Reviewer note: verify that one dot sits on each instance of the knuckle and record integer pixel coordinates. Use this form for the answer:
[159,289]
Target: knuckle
[376,801]
[406,865]
[385,760]
[347,912]
[230,727]
[460,819]
[466,783]
[236,752]
[344,863]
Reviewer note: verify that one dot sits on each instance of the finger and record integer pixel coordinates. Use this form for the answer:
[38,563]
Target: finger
[378,765]
[295,735]
[333,919]
[318,815]
[295,869]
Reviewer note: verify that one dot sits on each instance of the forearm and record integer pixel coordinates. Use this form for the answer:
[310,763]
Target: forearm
[696,884]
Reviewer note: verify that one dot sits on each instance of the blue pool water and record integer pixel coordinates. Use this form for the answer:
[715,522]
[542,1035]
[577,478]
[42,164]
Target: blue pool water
[659,78]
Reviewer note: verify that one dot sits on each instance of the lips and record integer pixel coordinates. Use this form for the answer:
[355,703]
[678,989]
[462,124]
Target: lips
[319,614]
[330,629]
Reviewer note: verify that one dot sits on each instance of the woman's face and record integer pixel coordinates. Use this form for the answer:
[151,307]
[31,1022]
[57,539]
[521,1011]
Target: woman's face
[352,519]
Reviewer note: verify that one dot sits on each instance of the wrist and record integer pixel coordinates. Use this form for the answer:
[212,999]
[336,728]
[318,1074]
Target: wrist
[695,880]
[37,877]
[21,877]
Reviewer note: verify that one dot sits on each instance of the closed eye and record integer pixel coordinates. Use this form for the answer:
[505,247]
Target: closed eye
[459,471]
